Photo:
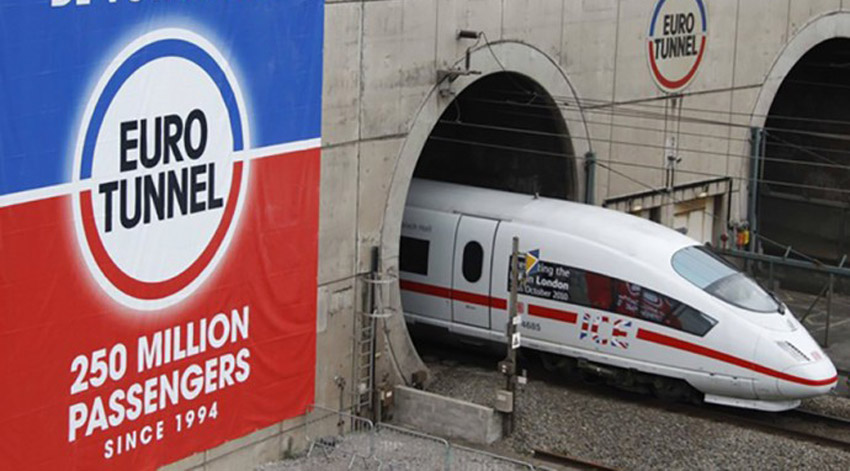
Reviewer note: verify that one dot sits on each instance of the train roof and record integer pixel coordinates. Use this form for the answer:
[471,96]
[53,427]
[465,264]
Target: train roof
[620,232]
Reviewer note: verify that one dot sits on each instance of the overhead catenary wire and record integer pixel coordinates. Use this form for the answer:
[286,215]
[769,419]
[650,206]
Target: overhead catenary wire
[590,104]
[610,165]
[830,164]
[632,108]
[638,165]
[598,105]
[610,141]
[638,114]
[647,109]
[724,138]
[772,133]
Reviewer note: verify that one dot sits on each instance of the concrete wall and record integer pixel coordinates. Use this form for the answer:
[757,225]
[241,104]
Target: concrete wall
[446,417]
[380,102]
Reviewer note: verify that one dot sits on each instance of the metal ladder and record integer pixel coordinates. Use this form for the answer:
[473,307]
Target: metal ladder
[364,357]
[377,286]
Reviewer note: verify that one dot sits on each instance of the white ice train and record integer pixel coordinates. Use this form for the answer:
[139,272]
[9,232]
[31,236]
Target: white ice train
[627,298]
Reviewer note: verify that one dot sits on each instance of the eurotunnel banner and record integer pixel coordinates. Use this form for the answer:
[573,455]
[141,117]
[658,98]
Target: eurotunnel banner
[159,189]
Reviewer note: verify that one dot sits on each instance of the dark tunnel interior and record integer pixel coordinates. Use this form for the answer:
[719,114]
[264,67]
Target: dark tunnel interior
[804,195]
[503,132]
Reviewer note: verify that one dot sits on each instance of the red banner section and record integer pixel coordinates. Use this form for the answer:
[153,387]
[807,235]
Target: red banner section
[91,384]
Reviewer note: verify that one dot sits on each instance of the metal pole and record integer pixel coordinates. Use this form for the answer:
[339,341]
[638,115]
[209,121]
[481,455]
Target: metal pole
[510,331]
[340,383]
[590,177]
[828,310]
[373,305]
[770,276]
[756,138]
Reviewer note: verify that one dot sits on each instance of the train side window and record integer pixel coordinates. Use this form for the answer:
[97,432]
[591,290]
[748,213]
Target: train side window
[693,321]
[590,289]
[414,255]
[626,298]
[636,301]
[658,308]
[473,261]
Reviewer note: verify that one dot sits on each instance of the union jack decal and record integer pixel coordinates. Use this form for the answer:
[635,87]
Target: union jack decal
[619,332]
[585,326]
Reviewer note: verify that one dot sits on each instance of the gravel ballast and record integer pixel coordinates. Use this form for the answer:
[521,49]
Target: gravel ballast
[623,434]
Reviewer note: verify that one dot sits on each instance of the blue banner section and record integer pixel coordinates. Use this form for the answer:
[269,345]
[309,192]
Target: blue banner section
[53,56]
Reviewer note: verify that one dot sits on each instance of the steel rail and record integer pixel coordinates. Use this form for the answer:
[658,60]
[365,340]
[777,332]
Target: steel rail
[824,419]
[570,461]
[789,424]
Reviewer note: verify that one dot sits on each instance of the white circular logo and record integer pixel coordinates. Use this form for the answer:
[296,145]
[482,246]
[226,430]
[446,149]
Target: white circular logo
[676,42]
[160,189]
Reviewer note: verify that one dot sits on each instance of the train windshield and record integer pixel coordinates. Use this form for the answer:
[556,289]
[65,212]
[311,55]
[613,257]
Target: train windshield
[719,278]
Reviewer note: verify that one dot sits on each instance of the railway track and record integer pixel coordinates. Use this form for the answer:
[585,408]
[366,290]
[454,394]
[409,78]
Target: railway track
[806,425]
[801,425]
[571,461]
[798,424]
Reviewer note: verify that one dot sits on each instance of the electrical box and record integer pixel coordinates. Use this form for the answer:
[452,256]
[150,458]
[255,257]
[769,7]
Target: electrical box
[504,401]
[386,397]
[507,367]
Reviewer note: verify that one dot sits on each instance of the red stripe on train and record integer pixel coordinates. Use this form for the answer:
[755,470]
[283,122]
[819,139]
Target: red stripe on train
[454,294]
[549,313]
[668,341]
[643,334]
[426,289]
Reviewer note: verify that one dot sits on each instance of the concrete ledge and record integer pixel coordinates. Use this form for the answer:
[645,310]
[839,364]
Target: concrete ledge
[446,417]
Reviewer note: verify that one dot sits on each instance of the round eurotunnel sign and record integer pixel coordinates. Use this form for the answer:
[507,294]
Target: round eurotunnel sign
[676,42]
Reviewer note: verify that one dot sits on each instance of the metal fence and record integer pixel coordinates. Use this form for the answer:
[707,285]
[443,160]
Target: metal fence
[472,459]
[338,440]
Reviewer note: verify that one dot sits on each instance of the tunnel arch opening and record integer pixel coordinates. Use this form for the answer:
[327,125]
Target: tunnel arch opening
[803,200]
[504,132]
[529,69]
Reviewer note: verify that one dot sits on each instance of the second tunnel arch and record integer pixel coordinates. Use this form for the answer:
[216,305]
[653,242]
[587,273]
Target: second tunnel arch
[801,103]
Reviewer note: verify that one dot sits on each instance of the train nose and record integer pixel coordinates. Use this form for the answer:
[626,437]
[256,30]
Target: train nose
[808,380]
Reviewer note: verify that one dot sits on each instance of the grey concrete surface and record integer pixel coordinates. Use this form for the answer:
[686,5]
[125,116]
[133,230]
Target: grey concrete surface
[446,417]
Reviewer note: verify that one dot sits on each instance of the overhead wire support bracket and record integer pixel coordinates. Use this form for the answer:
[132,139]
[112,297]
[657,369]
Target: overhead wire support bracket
[445,77]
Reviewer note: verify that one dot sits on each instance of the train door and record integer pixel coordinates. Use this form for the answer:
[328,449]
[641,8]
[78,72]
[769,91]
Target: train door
[473,256]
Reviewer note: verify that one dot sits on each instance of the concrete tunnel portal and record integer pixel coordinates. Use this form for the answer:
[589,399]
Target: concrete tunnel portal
[803,200]
[505,127]
[503,130]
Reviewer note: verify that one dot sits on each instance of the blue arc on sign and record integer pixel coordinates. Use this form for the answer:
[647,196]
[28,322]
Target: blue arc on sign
[157,50]
[658,9]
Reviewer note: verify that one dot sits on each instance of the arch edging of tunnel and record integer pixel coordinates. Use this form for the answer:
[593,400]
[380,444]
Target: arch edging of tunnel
[503,56]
